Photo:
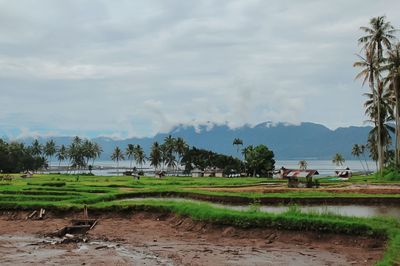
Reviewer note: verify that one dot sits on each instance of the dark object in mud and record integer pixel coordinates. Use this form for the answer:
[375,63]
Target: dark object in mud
[77,227]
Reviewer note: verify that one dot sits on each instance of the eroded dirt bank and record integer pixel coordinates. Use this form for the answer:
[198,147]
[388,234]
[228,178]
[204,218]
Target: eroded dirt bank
[166,239]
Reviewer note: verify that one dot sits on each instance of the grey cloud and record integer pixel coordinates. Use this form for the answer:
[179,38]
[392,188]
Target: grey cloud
[134,68]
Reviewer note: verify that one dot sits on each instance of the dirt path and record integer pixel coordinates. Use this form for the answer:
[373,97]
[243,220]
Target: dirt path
[159,239]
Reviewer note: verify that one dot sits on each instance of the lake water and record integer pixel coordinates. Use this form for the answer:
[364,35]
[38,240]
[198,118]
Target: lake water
[324,167]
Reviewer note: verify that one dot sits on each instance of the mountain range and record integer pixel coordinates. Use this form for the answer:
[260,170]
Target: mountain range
[303,141]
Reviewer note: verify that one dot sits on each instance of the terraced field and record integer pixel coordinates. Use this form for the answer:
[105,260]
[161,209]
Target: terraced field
[107,195]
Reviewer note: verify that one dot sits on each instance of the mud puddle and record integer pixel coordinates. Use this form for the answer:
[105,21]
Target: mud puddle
[30,249]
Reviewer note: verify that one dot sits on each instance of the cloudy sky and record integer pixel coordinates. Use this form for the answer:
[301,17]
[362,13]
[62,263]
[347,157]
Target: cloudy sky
[126,68]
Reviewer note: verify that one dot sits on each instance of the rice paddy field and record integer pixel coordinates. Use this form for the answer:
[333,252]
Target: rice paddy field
[212,201]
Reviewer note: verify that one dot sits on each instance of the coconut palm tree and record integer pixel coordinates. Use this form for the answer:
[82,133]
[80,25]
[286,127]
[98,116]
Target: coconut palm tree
[130,151]
[371,69]
[117,156]
[61,155]
[378,36]
[237,142]
[155,155]
[139,155]
[181,147]
[356,152]
[386,102]
[393,79]
[303,164]
[37,148]
[49,149]
[97,150]
[338,159]
[362,150]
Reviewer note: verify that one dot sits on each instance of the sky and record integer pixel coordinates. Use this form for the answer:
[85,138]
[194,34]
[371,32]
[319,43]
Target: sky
[128,68]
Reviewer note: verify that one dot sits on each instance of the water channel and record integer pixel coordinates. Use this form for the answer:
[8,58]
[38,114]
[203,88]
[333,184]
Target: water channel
[344,210]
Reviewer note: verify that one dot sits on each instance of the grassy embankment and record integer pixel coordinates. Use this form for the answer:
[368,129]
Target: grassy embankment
[103,193]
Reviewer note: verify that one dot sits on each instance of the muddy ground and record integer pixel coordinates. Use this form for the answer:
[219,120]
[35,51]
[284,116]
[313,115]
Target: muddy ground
[166,239]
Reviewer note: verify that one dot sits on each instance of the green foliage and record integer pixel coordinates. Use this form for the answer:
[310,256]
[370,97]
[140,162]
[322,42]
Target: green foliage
[259,160]
[201,158]
[15,158]
[389,174]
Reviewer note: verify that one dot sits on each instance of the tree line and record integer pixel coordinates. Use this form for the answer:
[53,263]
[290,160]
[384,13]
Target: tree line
[171,155]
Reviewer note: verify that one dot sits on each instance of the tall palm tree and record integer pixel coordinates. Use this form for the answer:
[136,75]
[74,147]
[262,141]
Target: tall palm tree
[139,156]
[378,36]
[338,159]
[61,155]
[130,151]
[87,148]
[237,142]
[117,156]
[393,79]
[356,152]
[97,150]
[371,69]
[155,155]
[181,148]
[362,150]
[37,148]
[49,150]
[385,100]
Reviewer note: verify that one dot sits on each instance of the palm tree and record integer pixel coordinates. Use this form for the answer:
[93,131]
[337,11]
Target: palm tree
[49,149]
[87,149]
[97,150]
[370,69]
[362,150]
[303,164]
[117,156]
[37,149]
[393,78]
[237,142]
[61,155]
[139,155]
[378,36]
[130,151]
[155,155]
[356,152]
[181,148]
[338,159]
[385,100]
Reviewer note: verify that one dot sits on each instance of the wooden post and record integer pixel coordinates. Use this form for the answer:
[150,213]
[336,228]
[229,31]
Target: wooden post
[85,213]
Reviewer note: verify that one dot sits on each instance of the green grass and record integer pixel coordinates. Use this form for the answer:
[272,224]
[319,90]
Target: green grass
[67,192]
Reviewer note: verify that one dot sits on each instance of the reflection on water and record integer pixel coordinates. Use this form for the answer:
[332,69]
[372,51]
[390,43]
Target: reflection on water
[344,210]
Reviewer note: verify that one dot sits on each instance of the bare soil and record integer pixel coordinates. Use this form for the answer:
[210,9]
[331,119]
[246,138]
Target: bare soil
[166,239]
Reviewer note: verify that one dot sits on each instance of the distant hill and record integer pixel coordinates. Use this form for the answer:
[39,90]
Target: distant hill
[304,141]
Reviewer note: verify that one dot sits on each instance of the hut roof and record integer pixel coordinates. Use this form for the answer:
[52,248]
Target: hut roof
[299,173]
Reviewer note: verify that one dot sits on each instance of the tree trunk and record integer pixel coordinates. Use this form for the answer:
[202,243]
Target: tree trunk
[366,163]
[379,122]
[362,165]
[396,84]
